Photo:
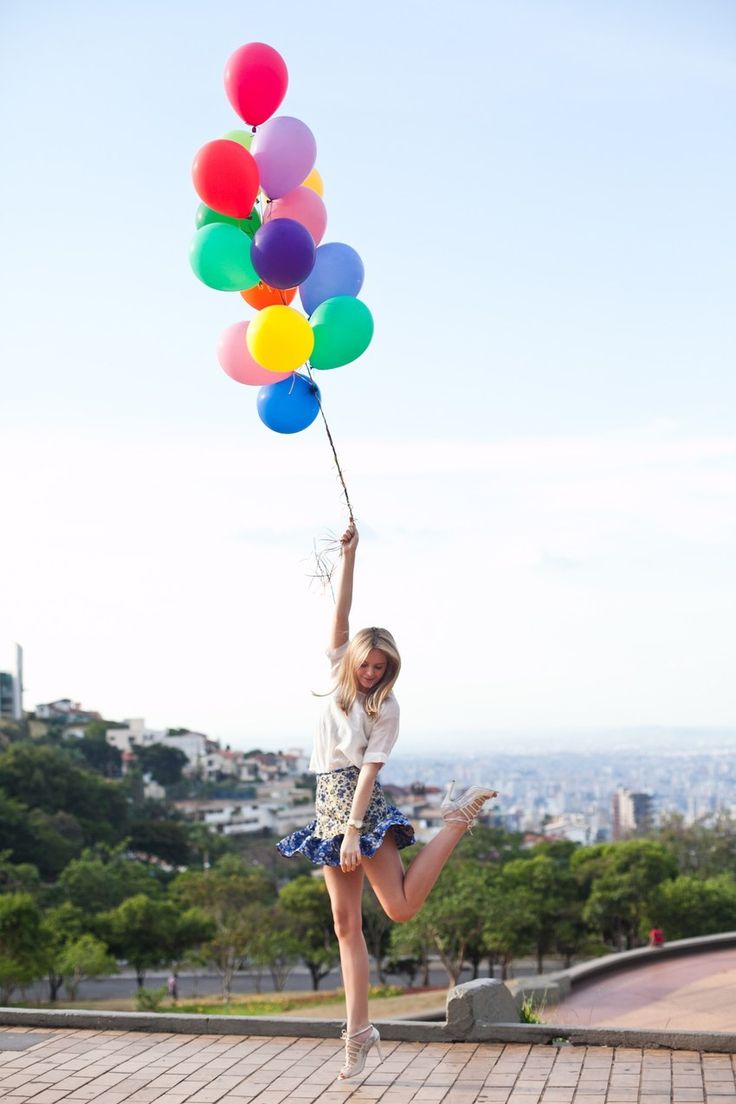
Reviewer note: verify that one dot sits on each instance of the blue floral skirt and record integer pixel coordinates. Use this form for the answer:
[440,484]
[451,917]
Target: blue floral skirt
[320,841]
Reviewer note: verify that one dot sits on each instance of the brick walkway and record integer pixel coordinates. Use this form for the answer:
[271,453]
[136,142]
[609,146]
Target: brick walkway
[109,1067]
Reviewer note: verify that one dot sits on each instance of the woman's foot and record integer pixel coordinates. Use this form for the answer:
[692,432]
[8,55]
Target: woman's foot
[357,1047]
[468,807]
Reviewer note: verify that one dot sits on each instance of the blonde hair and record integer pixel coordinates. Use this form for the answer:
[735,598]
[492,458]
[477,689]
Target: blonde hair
[347,688]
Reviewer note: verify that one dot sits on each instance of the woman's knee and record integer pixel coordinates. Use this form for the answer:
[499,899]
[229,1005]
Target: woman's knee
[399,911]
[348,922]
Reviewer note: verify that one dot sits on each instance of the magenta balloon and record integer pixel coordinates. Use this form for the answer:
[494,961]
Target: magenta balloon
[235,359]
[304,206]
[285,152]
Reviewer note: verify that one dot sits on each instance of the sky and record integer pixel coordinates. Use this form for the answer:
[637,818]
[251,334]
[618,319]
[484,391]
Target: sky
[539,443]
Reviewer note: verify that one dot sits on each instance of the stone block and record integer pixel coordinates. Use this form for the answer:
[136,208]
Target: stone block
[474,1005]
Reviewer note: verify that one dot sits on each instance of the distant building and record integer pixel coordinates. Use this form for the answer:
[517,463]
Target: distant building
[632,814]
[7,695]
[66,710]
[11,689]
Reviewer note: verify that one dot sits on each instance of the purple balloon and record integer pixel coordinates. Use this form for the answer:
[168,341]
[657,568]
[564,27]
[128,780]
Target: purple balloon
[283,253]
[285,152]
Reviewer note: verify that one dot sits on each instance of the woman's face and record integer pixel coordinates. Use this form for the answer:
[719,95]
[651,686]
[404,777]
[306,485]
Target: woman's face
[372,670]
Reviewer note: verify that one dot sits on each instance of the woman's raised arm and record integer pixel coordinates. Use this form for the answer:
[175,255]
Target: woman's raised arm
[340,633]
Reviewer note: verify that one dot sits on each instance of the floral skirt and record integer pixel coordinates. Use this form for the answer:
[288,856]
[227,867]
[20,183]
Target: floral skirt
[320,841]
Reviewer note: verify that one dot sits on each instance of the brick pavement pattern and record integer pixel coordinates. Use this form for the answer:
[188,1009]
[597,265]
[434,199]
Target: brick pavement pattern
[125,1067]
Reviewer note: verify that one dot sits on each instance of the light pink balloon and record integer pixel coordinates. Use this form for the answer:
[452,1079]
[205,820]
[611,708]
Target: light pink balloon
[233,355]
[306,207]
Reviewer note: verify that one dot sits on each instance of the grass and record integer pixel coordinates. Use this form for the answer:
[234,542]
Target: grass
[255,1004]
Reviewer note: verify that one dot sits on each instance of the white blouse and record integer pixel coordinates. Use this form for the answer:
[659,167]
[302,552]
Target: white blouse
[351,739]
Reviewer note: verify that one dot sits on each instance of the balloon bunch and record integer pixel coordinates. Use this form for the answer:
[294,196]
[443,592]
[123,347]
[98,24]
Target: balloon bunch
[259,229]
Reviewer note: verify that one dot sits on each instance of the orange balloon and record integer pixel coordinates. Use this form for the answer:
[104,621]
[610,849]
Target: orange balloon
[314,181]
[262,296]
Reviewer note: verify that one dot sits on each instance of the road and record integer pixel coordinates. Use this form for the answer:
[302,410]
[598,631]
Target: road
[123,985]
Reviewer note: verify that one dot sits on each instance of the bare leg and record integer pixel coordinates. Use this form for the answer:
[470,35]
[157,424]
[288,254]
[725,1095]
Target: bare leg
[346,893]
[403,894]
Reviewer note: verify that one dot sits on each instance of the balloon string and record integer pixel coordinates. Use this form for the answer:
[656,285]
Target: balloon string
[332,445]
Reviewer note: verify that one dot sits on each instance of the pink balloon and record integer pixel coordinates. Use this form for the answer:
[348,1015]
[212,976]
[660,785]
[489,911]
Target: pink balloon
[304,206]
[235,359]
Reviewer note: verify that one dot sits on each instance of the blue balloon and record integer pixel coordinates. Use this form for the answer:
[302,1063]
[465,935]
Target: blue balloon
[338,270]
[289,405]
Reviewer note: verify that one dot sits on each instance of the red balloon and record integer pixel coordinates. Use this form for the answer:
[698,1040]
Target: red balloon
[256,79]
[226,177]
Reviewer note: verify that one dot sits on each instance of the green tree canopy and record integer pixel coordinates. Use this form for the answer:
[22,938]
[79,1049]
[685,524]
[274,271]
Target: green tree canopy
[689,906]
[48,779]
[230,894]
[163,763]
[147,932]
[103,878]
[621,880]
[20,957]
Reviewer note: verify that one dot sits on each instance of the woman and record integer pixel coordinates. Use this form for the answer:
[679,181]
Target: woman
[357,833]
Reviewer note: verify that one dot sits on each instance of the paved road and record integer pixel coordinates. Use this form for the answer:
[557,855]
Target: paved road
[124,985]
[693,992]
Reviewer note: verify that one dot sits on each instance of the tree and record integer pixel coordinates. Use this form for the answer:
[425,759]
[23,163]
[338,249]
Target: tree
[377,931]
[103,878]
[227,894]
[139,931]
[409,949]
[164,839]
[163,763]
[307,902]
[621,880]
[48,780]
[689,906]
[509,929]
[59,925]
[454,915]
[84,957]
[273,943]
[98,754]
[701,850]
[551,894]
[18,877]
[20,960]
[34,837]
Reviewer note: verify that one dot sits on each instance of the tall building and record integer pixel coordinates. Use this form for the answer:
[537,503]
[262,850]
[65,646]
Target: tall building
[632,813]
[7,694]
[11,689]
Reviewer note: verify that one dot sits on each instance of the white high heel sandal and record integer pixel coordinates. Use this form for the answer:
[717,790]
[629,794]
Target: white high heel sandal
[468,807]
[356,1052]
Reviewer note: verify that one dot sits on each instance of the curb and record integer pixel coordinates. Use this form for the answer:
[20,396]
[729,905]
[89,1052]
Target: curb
[392,1030]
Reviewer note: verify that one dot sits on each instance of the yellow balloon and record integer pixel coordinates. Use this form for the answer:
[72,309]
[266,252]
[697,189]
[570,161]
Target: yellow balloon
[280,339]
[314,181]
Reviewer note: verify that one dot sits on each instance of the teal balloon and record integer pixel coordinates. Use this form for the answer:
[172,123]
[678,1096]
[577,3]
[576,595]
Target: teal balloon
[220,258]
[343,328]
[205,216]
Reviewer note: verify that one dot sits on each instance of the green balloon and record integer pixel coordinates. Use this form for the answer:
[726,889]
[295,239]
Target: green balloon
[220,258]
[343,328]
[242,137]
[205,216]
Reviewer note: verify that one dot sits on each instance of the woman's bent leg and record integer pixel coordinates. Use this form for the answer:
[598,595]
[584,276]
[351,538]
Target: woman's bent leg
[346,893]
[401,893]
